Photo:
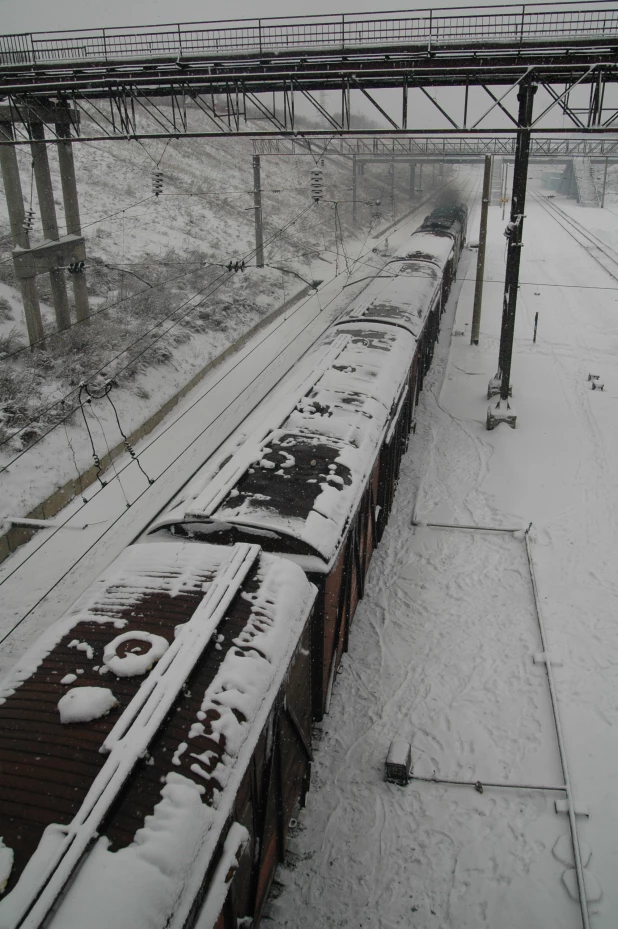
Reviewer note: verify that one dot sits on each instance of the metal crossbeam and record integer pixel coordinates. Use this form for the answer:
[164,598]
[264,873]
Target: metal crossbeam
[202,79]
[452,147]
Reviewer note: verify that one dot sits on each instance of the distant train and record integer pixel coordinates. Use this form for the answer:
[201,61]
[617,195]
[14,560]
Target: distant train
[155,742]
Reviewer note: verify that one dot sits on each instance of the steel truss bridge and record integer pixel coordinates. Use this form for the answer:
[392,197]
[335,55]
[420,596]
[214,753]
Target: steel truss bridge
[442,149]
[218,78]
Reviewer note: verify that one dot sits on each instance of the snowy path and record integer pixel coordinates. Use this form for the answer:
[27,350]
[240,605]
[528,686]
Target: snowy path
[441,649]
[45,576]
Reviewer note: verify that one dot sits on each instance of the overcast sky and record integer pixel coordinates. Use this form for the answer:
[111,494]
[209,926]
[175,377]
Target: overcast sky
[44,15]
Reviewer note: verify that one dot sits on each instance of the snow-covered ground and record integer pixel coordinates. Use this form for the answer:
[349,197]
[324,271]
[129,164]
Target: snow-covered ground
[441,651]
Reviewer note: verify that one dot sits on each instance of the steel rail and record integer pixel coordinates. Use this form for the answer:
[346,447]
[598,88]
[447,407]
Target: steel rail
[579,232]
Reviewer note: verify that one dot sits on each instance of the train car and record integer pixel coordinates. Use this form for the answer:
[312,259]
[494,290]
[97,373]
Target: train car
[154,744]
[412,289]
[315,482]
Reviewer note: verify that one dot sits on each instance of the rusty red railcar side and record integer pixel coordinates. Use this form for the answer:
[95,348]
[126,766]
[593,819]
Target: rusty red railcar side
[155,743]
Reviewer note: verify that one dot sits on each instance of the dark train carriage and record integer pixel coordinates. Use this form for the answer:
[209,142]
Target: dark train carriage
[316,482]
[154,744]
[448,220]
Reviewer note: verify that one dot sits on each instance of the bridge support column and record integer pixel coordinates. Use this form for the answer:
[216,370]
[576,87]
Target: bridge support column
[412,173]
[47,207]
[354,173]
[257,205]
[503,410]
[15,205]
[71,211]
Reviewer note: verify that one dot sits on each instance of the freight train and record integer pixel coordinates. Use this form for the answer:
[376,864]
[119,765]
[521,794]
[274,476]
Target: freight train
[156,741]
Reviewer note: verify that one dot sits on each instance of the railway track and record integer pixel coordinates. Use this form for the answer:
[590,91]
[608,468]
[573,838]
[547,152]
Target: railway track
[598,250]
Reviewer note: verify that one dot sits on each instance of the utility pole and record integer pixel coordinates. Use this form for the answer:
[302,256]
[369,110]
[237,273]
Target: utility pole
[604,182]
[354,188]
[480,260]
[503,410]
[257,204]
[504,186]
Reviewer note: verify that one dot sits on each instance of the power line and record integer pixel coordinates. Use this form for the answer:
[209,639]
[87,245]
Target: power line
[487,280]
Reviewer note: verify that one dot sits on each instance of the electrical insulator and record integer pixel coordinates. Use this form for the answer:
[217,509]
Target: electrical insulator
[28,220]
[76,267]
[157,182]
[317,184]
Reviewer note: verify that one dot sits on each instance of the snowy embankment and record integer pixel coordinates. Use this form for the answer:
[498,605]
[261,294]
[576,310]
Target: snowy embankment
[160,264]
[442,647]
[41,580]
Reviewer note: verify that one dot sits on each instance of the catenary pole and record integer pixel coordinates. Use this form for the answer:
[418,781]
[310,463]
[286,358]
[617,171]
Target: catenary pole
[480,261]
[514,237]
[257,203]
[604,182]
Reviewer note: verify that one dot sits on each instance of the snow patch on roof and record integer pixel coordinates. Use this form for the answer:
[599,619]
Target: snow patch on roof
[82,704]
[130,664]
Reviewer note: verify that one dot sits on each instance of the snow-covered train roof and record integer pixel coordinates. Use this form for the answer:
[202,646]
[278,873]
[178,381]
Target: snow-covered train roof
[426,246]
[298,479]
[101,737]
[402,295]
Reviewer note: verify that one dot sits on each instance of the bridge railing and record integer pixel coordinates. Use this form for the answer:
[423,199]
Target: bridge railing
[510,25]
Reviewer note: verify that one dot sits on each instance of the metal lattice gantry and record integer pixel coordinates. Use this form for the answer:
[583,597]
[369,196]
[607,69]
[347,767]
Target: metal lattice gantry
[251,76]
[447,148]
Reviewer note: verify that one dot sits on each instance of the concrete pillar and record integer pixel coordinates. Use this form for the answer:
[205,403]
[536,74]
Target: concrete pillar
[67,179]
[45,192]
[42,177]
[354,172]
[32,310]
[412,173]
[71,211]
[15,205]
[480,259]
[80,292]
[12,188]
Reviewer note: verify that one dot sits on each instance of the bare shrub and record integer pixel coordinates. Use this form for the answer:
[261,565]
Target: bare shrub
[6,310]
